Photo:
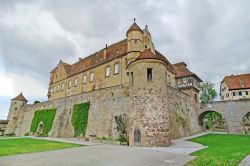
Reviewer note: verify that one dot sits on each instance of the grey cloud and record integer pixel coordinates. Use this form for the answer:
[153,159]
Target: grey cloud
[31,54]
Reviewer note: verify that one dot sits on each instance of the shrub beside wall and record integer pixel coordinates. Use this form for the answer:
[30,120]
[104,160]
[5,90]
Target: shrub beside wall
[79,118]
[45,116]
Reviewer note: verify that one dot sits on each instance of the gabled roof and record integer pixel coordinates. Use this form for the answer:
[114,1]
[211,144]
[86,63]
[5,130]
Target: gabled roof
[134,27]
[181,70]
[112,52]
[20,97]
[234,82]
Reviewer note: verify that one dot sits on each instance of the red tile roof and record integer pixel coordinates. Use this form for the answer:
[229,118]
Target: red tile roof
[181,70]
[234,82]
[148,54]
[20,97]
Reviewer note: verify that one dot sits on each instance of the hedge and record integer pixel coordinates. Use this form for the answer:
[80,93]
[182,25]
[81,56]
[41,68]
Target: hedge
[79,118]
[45,116]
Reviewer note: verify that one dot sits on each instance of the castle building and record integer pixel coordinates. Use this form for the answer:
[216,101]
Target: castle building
[131,77]
[235,87]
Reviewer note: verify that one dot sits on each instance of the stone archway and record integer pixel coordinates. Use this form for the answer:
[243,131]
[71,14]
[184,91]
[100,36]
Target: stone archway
[212,120]
[137,137]
[246,123]
[40,128]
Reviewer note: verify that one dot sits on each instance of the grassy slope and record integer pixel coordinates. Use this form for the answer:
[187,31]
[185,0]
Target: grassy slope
[28,145]
[223,150]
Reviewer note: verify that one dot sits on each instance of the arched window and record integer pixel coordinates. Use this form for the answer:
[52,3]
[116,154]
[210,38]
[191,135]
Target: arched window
[137,136]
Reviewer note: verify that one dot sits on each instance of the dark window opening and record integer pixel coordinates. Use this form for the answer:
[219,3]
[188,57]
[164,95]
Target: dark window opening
[246,92]
[240,93]
[149,74]
[233,93]
[132,78]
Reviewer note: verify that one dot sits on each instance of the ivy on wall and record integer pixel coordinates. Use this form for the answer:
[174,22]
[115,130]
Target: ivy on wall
[79,118]
[45,116]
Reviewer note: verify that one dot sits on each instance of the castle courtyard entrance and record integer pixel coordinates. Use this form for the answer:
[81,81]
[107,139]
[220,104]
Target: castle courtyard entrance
[212,120]
[246,123]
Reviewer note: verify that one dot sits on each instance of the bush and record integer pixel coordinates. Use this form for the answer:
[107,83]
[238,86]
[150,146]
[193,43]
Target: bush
[45,116]
[26,134]
[79,118]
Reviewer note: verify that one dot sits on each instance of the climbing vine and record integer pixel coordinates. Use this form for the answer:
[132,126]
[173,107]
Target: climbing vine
[121,127]
[45,116]
[79,118]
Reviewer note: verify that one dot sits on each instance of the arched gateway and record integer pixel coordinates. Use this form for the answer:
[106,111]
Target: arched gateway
[232,112]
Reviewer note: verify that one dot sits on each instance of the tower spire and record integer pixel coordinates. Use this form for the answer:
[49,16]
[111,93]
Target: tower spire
[134,20]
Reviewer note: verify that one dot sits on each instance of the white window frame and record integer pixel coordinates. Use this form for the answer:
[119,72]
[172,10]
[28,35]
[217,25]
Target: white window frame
[117,68]
[84,79]
[75,81]
[58,87]
[107,71]
[91,78]
[62,86]
[69,84]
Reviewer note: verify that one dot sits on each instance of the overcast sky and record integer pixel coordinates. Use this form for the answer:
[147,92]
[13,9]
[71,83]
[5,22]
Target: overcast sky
[211,36]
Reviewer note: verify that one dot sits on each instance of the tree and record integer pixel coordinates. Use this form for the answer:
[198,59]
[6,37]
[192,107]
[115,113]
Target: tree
[207,92]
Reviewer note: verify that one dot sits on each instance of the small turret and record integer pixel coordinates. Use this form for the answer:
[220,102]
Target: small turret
[16,104]
[135,41]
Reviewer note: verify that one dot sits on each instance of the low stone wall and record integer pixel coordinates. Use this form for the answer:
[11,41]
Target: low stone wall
[104,105]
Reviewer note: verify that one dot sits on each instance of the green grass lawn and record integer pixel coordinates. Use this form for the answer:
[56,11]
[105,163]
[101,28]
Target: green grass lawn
[223,150]
[29,145]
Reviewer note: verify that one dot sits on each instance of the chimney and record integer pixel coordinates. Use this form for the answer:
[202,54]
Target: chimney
[80,59]
[105,52]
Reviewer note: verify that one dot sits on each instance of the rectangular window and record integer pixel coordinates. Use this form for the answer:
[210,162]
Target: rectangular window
[243,93]
[132,78]
[107,71]
[55,89]
[91,79]
[62,86]
[58,87]
[84,80]
[51,90]
[117,68]
[240,93]
[149,74]
[69,84]
[246,92]
[233,93]
[76,82]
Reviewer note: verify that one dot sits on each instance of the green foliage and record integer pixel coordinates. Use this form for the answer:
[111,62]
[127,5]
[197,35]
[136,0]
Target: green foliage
[223,150]
[79,118]
[26,134]
[27,145]
[45,116]
[212,119]
[35,102]
[121,127]
[207,92]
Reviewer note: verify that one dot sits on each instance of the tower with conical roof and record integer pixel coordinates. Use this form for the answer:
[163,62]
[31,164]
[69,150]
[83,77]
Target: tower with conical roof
[134,42]
[149,122]
[16,105]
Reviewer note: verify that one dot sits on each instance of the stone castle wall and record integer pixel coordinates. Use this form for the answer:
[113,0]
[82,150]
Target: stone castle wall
[106,103]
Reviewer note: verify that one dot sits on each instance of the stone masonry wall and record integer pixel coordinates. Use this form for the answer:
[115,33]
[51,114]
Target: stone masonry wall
[104,105]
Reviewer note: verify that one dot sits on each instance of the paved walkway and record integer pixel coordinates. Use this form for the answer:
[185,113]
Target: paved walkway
[99,155]
[108,155]
[245,162]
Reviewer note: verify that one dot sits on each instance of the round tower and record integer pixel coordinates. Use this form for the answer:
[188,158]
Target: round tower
[15,106]
[148,115]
